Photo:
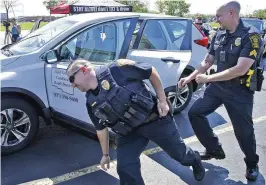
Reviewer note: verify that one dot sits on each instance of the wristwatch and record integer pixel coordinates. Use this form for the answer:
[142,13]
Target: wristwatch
[106,155]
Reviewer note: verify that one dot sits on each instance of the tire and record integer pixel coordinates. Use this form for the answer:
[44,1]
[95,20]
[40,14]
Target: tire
[26,120]
[171,93]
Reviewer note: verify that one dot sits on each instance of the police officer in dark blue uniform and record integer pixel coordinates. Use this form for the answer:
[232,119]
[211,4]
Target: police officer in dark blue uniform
[237,51]
[118,98]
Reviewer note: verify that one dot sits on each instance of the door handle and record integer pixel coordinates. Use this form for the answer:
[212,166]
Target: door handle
[170,59]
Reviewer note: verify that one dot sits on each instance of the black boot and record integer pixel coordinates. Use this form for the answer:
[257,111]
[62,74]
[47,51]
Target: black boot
[217,154]
[198,169]
[252,173]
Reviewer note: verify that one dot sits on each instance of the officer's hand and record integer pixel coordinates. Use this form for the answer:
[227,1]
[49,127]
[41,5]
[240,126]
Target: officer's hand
[163,108]
[202,78]
[105,161]
[183,81]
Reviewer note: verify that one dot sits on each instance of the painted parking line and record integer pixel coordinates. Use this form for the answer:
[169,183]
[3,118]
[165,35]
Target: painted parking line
[112,170]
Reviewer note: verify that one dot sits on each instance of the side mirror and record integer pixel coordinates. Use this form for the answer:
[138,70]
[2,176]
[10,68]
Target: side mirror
[51,56]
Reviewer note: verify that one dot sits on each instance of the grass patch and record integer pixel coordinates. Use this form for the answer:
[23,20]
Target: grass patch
[24,26]
[215,24]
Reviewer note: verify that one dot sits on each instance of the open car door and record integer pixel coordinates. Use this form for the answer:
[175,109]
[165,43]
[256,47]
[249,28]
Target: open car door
[36,25]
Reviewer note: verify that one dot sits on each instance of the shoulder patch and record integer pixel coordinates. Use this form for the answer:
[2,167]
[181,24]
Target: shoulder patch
[255,40]
[122,62]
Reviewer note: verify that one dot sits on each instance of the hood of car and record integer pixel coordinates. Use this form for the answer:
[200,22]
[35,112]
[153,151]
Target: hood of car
[5,60]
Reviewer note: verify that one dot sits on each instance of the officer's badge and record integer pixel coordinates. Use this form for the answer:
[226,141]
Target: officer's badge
[253,52]
[238,41]
[122,62]
[255,40]
[105,85]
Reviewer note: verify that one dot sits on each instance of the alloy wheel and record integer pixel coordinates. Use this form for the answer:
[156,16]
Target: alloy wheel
[15,126]
[180,97]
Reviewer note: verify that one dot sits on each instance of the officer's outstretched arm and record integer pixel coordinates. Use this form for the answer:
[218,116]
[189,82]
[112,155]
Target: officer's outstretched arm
[240,69]
[157,84]
[163,107]
[103,136]
[204,66]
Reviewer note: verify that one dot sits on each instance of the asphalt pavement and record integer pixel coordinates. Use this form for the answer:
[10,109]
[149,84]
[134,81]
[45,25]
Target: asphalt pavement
[62,156]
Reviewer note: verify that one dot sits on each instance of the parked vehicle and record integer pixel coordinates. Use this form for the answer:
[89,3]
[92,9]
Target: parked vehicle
[34,81]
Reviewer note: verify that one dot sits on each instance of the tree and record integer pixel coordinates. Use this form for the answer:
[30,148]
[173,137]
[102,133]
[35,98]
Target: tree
[160,5]
[51,3]
[260,13]
[7,4]
[177,7]
[205,17]
[137,6]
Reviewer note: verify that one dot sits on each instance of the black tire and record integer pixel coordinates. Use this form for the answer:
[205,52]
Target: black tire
[20,104]
[171,90]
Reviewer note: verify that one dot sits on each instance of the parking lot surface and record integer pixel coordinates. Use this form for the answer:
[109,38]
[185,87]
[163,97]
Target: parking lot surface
[62,156]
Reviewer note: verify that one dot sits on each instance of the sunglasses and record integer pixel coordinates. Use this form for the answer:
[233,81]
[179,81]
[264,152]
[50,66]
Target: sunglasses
[72,77]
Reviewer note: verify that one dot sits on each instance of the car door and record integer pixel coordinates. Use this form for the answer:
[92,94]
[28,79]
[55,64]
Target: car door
[165,44]
[36,25]
[100,44]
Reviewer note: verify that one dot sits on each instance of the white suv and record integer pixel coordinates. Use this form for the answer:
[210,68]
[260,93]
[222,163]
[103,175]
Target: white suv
[34,81]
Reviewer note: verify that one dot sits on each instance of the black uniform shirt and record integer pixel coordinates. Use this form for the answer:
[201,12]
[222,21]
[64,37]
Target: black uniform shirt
[244,42]
[122,74]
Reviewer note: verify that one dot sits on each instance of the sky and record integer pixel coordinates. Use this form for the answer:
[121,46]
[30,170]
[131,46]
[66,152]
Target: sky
[36,7]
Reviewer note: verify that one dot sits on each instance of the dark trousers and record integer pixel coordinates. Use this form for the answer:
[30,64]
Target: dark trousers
[238,102]
[164,133]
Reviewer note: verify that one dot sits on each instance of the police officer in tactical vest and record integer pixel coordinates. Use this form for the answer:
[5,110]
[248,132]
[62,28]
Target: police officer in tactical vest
[237,50]
[118,98]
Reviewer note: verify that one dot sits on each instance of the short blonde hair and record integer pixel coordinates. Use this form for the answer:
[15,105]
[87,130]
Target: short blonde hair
[76,65]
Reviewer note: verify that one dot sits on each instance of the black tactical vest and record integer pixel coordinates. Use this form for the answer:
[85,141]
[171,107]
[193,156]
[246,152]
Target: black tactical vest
[121,108]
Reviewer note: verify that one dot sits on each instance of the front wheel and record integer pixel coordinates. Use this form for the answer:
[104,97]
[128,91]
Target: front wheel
[19,124]
[181,98]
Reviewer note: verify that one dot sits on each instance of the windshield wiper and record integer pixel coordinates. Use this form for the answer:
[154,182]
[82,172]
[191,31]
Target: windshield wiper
[30,37]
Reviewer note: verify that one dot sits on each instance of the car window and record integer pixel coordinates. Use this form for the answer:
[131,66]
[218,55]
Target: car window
[153,37]
[98,43]
[179,34]
[254,23]
[126,26]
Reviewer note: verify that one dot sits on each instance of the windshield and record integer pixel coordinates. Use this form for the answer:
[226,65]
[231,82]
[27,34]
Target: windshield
[40,37]
[257,24]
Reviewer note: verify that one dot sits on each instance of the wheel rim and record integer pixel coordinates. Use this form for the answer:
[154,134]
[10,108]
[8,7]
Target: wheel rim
[178,99]
[15,127]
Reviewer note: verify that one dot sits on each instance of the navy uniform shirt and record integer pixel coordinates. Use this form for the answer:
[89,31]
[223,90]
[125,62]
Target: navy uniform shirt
[227,48]
[122,74]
